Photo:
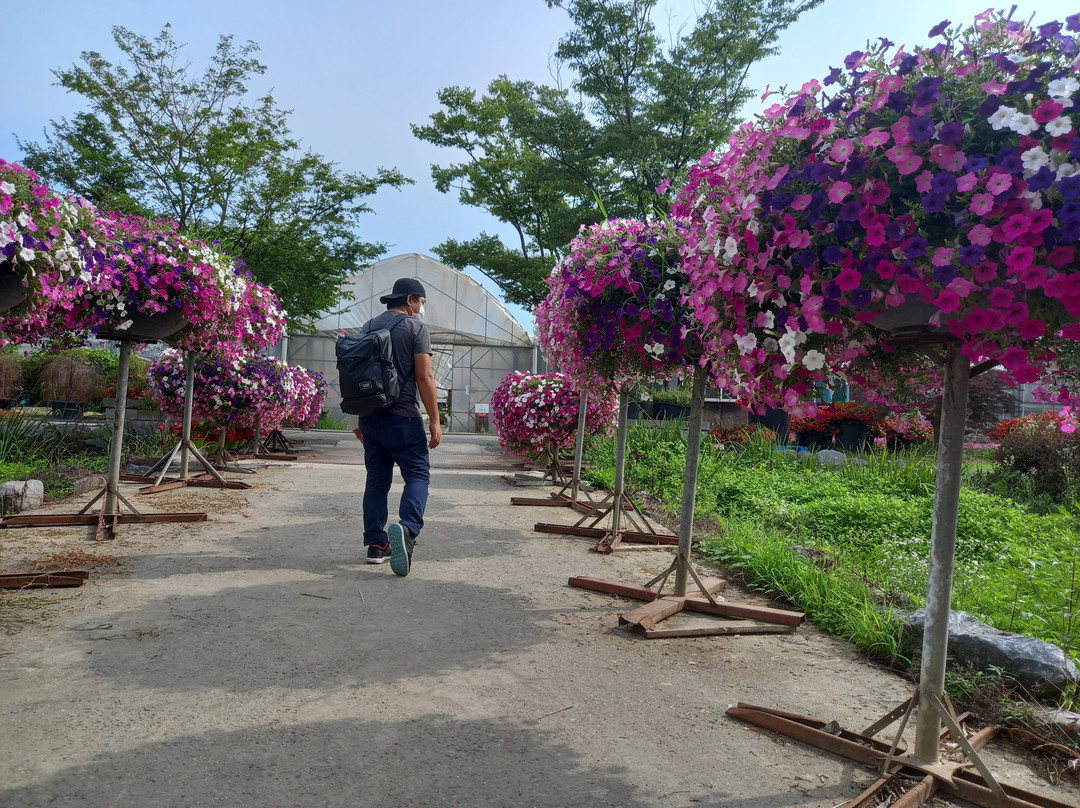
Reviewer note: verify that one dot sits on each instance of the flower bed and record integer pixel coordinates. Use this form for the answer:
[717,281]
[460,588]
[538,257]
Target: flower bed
[728,437]
[1003,429]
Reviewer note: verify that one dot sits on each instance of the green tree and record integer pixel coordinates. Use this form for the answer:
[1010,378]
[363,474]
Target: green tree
[159,139]
[638,111]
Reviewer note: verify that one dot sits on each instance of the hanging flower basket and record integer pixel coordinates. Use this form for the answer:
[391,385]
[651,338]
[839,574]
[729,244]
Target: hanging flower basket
[146,326]
[12,289]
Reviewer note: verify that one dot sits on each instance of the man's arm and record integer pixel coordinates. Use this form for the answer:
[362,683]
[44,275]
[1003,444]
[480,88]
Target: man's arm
[425,384]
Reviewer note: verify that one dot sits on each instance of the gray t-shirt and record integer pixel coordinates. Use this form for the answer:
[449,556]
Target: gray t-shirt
[408,337]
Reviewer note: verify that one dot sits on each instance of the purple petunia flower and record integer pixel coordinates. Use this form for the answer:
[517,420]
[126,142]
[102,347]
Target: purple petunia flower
[831,305]
[1074,148]
[1069,186]
[895,230]
[926,91]
[844,230]
[907,64]
[852,59]
[945,275]
[951,133]
[898,101]
[1049,30]
[1072,22]
[849,211]
[1008,158]
[944,183]
[933,202]
[971,255]
[915,247]
[833,77]
[940,28]
[859,297]
[832,254]
[1042,179]
[921,128]
[975,164]
[1069,212]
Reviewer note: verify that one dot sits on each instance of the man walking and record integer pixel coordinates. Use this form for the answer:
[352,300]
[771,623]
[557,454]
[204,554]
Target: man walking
[397,436]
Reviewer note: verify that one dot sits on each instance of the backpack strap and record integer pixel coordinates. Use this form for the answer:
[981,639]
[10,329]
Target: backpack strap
[397,318]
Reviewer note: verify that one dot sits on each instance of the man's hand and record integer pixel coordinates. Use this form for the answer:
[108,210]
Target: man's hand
[436,434]
[359,434]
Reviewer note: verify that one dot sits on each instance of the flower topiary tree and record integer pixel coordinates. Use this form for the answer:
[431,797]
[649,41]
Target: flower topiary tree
[927,198]
[536,414]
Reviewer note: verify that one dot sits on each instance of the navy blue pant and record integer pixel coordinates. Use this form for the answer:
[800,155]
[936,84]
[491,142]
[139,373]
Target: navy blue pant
[390,439]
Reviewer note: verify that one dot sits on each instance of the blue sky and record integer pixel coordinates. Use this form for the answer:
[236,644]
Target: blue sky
[356,74]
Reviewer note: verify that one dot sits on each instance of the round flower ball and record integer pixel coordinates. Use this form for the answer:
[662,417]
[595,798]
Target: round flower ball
[533,411]
[617,305]
[933,189]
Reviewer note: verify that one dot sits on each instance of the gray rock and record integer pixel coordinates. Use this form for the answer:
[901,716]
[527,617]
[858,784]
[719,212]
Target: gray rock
[22,495]
[91,482]
[1037,666]
[834,459]
[1062,720]
[141,471]
[96,443]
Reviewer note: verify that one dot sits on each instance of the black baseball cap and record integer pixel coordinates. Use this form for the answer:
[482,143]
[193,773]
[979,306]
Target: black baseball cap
[403,287]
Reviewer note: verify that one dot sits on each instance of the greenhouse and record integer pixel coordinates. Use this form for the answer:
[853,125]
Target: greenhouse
[475,340]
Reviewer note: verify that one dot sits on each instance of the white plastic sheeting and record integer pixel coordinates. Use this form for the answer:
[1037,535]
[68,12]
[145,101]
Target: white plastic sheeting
[475,340]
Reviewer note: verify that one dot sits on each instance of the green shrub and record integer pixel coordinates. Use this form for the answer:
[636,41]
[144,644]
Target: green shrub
[1037,463]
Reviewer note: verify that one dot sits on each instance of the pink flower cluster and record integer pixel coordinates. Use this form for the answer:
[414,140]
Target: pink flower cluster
[944,182]
[232,391]
[88,269]
[531,412]
[617,305]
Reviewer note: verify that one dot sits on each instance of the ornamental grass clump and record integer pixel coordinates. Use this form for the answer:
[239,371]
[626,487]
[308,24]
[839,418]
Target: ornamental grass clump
[616,311]
[538,413]
[940,182]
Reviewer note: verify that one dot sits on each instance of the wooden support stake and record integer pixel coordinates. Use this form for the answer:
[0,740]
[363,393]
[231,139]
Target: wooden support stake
[649,614]
[719,628]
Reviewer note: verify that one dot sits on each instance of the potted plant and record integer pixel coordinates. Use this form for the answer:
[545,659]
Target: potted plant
[671,403]
[69,384]
[905,430]
[11,381]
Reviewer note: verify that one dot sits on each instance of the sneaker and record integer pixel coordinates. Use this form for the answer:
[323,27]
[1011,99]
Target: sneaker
[378,553]
[401,547]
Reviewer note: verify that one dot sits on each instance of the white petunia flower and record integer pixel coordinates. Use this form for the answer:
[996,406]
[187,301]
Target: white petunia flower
[1001,118]
[1066,170]
[7,188]
[1035,158]
[814,360]
[787,346]
[1063,88]
[26,254]
[1061,125]
[746,343]
[1023,124]
[669,285]
[731,249]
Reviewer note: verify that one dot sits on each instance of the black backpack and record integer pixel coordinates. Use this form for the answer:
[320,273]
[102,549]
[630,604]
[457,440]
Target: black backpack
[366,371]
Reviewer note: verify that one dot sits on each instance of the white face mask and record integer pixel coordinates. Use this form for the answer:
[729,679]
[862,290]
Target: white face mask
[420,313]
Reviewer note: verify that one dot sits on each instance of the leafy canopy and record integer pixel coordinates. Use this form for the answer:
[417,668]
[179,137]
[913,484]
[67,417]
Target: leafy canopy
[159,139]
[638,111]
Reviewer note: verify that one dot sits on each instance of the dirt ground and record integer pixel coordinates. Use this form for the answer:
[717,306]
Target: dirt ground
[254,660]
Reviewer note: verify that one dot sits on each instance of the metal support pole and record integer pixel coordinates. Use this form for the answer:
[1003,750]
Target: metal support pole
[256,443]
[189,403]
[116,442]
[954,390]
[579,445]
[693,453]
[620,465]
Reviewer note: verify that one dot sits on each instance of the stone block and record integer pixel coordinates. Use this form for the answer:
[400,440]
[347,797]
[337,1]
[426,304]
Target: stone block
[1038,667]
[22,495]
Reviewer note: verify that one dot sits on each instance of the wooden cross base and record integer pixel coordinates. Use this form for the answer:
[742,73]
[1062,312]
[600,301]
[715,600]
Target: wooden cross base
[748,619]
[915,781]
[151,485]
[560,499]
[605,542]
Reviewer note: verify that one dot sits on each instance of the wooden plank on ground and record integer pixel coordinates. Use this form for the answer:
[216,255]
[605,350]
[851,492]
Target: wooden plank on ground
[599,533]
[725,627]
[37,580]
[614,588]
[540,502]
[649,614]
[728,608]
